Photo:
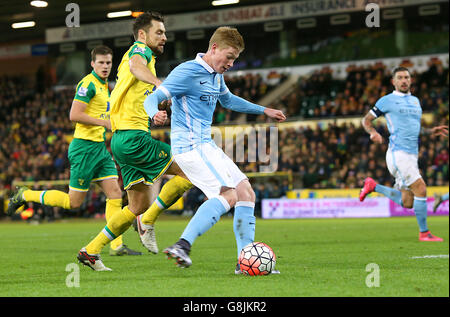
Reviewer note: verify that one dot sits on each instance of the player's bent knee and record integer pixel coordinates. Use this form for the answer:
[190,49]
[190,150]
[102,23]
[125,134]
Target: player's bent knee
[230,196]
[247,195]
[232,200]
[115,194]
[139,207]
[75,204]
[419,188]
[245,192]
[408,205]
[76,198]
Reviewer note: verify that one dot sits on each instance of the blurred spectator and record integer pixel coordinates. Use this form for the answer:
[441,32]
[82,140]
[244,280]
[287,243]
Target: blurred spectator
[261,192]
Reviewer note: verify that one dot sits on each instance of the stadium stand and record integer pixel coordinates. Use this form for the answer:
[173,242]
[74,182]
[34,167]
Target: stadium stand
[35,129]
[35,136]
[321,95]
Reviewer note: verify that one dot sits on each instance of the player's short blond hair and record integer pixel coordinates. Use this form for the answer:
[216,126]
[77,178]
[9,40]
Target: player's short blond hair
[225,36]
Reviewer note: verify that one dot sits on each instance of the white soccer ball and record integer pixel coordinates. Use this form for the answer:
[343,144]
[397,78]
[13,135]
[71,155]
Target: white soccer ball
[257,258]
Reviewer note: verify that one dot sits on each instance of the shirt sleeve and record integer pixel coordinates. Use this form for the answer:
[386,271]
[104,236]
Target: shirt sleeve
[380,108]
[143,51]
[152,101]
[178,82]
[235,103]
[85,92]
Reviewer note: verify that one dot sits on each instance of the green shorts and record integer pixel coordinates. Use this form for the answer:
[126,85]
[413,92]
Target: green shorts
[141,158]
[89,162]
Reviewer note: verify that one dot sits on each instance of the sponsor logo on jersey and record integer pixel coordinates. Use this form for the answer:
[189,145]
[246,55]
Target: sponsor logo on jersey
[82,91]
[138,49]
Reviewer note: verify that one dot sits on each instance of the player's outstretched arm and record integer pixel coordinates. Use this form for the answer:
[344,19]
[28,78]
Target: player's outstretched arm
[368,127]
[238,104]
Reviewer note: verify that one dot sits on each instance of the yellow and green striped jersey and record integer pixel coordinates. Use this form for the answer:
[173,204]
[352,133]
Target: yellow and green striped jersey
[94,92]
[129,93]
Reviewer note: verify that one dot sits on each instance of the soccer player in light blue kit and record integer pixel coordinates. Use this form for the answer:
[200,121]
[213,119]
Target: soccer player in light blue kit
[403,114]
[194,88]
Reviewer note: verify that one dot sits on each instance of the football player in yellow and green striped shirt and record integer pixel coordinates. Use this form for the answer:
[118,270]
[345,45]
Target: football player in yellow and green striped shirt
[129,93]
[142,159]
[89,158]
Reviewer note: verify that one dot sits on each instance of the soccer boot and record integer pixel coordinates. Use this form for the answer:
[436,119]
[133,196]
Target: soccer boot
[16,200]
[437,201]
[369,186]
[92,260]
[147,235]
[123,250]
[427,236]
[238,271]
[180,255]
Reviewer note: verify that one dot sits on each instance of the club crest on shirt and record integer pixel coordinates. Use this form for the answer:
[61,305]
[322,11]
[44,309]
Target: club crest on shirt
[162,154]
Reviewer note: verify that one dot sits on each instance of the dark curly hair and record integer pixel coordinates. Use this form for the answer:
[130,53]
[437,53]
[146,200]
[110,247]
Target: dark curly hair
[144,21]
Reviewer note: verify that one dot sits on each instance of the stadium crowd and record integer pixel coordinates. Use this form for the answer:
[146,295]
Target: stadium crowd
[320,95]
[35,132]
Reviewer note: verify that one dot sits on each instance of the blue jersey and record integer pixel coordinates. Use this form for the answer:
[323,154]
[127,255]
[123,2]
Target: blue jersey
[403,114]
[194,88]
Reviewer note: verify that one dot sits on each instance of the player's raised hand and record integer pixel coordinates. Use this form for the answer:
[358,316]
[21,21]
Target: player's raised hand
[440,130]
[275,114]
[160,117]
[376,137]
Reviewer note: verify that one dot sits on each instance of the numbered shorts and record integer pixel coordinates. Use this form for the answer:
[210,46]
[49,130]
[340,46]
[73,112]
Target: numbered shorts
[209,168]
[141,158]
[403,167]
[89,162]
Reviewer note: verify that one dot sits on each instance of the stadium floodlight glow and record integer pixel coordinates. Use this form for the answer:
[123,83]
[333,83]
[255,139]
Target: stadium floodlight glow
[223,2]
[135,14]
[119,14]
[25,24]
[39,4]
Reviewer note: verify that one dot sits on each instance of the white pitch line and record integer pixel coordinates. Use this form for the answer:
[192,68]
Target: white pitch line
[443,256]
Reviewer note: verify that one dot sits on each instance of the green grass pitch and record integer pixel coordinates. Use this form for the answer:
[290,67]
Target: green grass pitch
[316,257]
